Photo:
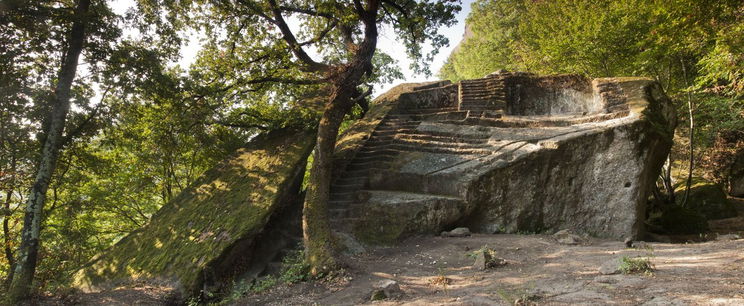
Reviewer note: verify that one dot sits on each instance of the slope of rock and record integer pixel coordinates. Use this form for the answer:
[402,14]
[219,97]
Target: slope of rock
[511,152]
[211,229]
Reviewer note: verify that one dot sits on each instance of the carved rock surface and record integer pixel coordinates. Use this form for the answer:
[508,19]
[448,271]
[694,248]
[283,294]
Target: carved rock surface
[511,152]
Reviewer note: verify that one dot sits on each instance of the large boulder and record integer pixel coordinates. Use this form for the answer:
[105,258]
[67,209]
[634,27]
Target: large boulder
[511,152]
[706,198]
[208,232]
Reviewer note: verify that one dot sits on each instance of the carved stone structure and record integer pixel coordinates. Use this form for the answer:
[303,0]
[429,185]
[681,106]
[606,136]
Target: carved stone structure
[511,152]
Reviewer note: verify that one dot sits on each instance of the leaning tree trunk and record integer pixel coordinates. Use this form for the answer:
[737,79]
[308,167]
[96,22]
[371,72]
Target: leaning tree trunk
[316,228]
[315,224]
[27,254]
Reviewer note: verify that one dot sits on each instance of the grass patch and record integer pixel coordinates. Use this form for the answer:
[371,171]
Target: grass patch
[484,249]
[636,265]
[519,296]
[293,270]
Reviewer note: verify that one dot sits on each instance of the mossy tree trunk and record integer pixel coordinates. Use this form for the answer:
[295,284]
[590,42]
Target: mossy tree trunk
[27,254]
[318,238]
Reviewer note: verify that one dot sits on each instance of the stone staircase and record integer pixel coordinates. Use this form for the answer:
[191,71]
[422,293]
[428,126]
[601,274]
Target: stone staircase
[398,134]
[484,97]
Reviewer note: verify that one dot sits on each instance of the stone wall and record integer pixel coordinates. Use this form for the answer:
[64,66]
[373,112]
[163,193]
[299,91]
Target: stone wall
[427,97]
[528,95]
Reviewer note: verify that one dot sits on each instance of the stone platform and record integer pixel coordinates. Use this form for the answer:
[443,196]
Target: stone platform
[511,152]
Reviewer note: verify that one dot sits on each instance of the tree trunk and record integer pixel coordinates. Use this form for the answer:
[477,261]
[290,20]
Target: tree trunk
[315,224]
[27,254]
[319,252]
[7,242]
[691,147]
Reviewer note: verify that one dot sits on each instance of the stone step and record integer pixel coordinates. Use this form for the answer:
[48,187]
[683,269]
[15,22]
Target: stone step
[373,158]
[420,111]
[479,98]
[484,88]
[480,108]
[482,104]
[401,125]
[338,203]
[380,137]
[341,196]
[446,133]
[452,144]
[446,150]
[375,164]
[376,150]
[348,180]
[339,187]
[399,119]
[481,86]
[389,132]
[429,137]
[380,142]
[488,95]
[345,189]
[436,115]
[491,104]
[339,213]
[438,209]
[356,173]
[406,123]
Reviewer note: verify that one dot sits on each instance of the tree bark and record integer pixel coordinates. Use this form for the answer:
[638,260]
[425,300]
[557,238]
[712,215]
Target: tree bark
[318,239]
[8,250]
[27,254]
[691,147]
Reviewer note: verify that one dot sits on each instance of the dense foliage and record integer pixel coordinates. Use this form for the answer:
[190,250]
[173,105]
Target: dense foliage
[694,48]
[688,46]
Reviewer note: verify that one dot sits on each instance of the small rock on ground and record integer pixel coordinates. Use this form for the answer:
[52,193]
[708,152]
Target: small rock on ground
[385,289]
[485,259]
[728,237]
[610,267]
[458,232]
[567,238]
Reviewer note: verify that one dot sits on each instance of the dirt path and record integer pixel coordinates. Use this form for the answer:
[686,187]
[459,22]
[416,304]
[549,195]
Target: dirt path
[538,269]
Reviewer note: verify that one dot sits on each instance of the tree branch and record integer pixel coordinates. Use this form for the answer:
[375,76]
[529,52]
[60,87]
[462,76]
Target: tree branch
[322,34]
[307,11]
[289,37]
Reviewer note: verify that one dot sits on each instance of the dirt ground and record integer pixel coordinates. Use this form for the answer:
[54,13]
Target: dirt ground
[539,270]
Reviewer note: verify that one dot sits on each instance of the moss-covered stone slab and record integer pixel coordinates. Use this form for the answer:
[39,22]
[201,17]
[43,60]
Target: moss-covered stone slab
[190,239]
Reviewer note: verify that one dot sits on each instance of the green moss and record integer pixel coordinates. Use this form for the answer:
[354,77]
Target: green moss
[229,203]
[707,198]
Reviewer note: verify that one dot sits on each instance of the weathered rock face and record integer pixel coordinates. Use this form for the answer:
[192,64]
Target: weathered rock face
[214,228]
[506,153]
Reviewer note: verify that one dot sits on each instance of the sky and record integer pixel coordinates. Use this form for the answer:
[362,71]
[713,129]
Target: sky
[386,43]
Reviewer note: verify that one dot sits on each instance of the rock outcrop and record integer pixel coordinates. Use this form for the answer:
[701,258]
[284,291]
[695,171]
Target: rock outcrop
[511,152]
[218,227]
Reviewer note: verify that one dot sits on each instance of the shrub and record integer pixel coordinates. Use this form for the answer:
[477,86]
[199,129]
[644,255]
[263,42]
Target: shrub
[637,265]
